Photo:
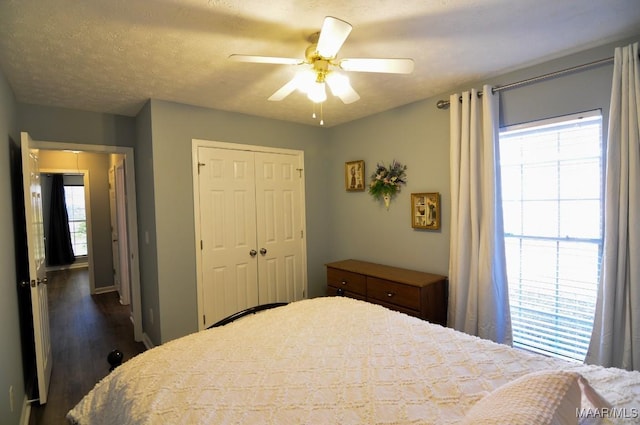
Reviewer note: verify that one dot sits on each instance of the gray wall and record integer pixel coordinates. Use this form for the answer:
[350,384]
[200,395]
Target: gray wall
[10,352]
[53,124]
[147,249]
[571,93]
[98,166]
[417,136]
[173,128]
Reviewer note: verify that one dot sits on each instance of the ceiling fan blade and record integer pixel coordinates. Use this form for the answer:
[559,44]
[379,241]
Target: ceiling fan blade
[333,34]
[285,90]
[340,87]
[265,59]
[349,95]
[391,66]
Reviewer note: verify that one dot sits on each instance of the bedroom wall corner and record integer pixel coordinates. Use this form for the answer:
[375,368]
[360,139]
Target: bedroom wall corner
[174,126]
[147,246]
[417,135]
[11,378]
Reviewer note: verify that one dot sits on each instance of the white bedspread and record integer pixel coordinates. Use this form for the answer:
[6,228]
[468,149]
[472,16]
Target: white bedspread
[327,360]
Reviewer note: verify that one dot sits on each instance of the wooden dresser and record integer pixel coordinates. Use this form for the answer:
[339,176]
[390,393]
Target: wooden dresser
[418,294]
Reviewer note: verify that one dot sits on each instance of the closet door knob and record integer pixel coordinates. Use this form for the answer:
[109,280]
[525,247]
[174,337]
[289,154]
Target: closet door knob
[253,253]
[263,251]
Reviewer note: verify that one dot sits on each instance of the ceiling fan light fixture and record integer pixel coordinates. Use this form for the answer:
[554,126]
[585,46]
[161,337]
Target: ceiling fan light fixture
[338,83]
[305,80]
[317,93]
[321,66]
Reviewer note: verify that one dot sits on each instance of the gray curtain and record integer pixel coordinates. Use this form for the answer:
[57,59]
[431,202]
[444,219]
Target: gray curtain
[615,341]
[478,293]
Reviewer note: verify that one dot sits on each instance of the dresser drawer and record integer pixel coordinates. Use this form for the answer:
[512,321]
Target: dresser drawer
[332,291]
[407,311]
[351,282]
[393,293]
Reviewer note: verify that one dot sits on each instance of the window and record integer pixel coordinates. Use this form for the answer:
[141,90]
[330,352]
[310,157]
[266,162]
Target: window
[552,202]
[74,199]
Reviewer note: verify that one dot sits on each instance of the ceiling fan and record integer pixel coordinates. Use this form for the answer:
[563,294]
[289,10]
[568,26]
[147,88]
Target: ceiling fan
[321,67]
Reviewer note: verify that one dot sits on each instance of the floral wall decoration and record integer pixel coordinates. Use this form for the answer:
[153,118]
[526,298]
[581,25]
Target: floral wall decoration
[386,181]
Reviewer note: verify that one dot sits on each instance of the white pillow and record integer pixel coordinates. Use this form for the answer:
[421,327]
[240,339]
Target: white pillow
[539,398]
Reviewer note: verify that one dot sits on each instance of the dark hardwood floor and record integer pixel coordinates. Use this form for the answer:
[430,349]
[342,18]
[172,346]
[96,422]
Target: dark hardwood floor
[84,329]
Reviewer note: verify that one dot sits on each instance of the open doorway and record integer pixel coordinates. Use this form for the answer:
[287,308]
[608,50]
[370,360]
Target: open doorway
[69,158]
[84,215]
[76,192]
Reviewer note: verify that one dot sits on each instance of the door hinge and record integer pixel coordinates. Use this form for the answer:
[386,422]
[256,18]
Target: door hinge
[299,170]
[204,320]
[201,245]
[301,234]
[200,164]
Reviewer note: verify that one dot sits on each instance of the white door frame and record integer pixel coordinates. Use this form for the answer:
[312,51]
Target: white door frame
[132,215]
[113,219]
[86,180]
[123,232]
[195,145]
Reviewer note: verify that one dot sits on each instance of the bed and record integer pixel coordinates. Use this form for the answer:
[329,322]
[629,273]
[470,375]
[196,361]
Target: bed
[336,360]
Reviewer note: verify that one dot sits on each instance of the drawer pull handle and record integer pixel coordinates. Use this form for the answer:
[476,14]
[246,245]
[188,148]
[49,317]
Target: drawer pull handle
[344,282]
[390,294]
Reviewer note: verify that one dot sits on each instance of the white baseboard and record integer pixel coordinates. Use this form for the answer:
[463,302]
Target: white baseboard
[104,290]
[25,416]
[147,341]
[72,266]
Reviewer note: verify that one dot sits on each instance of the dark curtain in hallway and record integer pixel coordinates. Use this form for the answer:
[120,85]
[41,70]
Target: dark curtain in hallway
[59,247]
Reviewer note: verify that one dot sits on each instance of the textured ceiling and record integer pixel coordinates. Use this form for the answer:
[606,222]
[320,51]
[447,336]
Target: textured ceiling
[113,55]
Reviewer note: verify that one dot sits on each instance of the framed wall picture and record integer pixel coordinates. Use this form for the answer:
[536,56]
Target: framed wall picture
[354,176]
[425,210]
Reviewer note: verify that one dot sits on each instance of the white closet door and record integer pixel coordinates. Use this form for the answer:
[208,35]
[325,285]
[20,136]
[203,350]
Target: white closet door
[228,232]
[280,225]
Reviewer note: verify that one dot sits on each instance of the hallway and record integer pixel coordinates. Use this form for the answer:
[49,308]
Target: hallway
[84,329]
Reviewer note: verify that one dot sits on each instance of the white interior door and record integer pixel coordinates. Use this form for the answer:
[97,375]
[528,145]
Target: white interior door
[37,274]
[280,227]
[114,231]
[226,186]
[123,234]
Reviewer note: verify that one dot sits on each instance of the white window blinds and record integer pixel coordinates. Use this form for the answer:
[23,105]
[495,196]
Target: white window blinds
[552,178]
[74,198]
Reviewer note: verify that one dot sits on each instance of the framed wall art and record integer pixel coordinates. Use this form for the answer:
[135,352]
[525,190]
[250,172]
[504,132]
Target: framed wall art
[354,176]
[425,211]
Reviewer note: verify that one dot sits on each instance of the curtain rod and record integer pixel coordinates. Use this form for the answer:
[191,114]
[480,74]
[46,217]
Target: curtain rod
[444,104]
